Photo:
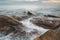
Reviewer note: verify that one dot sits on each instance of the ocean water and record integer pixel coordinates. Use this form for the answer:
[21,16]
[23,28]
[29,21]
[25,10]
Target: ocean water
[37,10]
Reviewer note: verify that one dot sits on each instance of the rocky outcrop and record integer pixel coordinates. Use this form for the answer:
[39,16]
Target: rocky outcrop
[9,24]
[20,18]
[50,35]
[29,13]
[5,26]
[51,16]
[46,22]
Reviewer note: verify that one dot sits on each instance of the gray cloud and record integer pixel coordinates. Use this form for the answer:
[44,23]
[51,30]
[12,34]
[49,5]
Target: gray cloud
[17,2]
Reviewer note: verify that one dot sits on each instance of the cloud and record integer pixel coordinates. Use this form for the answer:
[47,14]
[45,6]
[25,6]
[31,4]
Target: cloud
[19,2]
[51,1]
[24,0]
[31,0]
[29,4]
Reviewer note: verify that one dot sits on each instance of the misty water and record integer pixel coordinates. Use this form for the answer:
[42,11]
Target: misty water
[17,11]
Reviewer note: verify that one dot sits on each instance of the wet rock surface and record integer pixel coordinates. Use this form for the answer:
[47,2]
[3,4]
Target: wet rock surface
[5,27]
[9,24]
[50,35]
[20,18]
[12,24]
[46,22]
[13,29]
[52,16]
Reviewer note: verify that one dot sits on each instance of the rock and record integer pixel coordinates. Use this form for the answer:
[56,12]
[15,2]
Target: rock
[5,27]
[46,22]
[9,24]
[20,18]
[50,35]
[24,17]
[51,16]
[17,18]
[30,14]
[32,35]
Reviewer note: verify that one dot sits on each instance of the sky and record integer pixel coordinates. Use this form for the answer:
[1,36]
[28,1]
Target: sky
[13,2]
[51,1]
[27,4]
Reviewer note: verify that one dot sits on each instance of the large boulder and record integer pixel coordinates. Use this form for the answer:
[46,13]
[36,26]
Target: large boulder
[50,35]
[46,22]
[9,24]
[5,26]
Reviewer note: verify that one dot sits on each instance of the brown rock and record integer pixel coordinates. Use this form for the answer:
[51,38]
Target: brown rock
[52,16]
[50,35]
[4,26]
[20,18]
[9,24]
[17,18]
[47,22]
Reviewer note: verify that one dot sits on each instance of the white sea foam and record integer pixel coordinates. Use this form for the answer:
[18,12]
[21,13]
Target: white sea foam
[30,25]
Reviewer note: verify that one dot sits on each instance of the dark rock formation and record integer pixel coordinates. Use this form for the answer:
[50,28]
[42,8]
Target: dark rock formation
[46,22]
[5,27]
[51,16]
[30,14]
[9,24]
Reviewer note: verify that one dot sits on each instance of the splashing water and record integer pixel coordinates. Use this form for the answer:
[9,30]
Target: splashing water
[28,24]
[30,27]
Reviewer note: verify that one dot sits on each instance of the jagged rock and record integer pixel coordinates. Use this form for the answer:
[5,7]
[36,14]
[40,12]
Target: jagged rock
[46,22]
[51,16]
[17,18]
[50,35]
[12,24]
[20,18]
[5,27]
[30,14]
[9,24]
[24,17]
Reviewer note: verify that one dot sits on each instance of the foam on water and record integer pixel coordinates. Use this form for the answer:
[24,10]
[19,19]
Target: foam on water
[28,24]
[11,36]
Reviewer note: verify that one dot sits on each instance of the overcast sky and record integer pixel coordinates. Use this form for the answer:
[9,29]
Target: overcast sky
[14,2]
[28,4]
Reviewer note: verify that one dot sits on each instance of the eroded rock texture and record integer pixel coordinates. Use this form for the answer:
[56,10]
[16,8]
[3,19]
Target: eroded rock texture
[9,24]
[13,24]
[46,22]
[50,35]
[5,26]
[20,18]
[51,16]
